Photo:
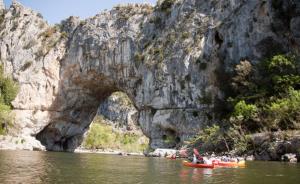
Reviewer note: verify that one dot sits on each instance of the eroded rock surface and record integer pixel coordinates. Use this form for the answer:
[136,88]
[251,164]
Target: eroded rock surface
[120,113]
[275,146]
[30,51]
[172,61]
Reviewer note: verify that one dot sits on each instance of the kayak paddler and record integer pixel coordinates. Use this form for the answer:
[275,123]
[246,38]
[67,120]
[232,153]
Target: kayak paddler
[197,158]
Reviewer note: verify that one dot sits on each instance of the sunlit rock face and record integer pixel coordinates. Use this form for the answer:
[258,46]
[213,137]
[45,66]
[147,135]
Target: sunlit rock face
[32,58]
[120,113]
[172,61]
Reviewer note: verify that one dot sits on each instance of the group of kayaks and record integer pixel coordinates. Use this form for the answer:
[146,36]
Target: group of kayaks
[215,164]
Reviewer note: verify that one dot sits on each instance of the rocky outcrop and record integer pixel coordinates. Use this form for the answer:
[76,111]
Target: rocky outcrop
[171,60]
[30,51]
[20,143]
[276,146]
[292,158]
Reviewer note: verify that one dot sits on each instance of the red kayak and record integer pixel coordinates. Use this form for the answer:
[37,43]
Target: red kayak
[229,164]
[190,164]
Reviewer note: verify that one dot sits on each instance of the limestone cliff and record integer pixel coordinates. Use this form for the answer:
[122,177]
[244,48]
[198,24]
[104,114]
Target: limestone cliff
[170,60]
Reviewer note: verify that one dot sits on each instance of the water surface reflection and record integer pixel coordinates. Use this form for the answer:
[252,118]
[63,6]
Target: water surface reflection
[49,167]
[19,167]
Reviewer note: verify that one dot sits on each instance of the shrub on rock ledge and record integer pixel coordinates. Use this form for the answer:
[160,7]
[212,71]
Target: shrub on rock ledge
[8,92]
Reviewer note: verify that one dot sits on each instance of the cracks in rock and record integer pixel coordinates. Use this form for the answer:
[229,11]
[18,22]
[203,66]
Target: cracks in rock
[228,19]
[169,108]
[47,110]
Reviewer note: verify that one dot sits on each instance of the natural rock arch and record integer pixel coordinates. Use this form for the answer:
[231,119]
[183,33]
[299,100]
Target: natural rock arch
[100,61]
[88,79]
[171,73]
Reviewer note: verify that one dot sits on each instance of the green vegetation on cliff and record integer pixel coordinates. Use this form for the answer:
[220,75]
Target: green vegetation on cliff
[103,136]
[8,92]
[264,97]
[267,98]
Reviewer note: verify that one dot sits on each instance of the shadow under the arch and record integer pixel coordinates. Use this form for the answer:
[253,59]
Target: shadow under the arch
[78,98]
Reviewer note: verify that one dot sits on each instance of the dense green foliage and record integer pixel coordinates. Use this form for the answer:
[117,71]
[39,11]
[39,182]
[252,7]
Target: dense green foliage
[8,92]
[271,100]
[217,139]
[103,136]
[264,97]
[209,138]
[285,112]
[244,111]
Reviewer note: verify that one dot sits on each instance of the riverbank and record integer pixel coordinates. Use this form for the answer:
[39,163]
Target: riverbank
[162,153]
[265,146]
[108,152]
[28,143]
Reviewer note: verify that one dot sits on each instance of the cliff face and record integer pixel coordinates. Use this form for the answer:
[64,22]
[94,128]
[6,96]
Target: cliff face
[32,58]
[171,60]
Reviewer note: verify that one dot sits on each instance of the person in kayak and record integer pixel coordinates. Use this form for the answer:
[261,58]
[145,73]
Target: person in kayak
[197,158]
[234,160]
[225,159]
[207,161]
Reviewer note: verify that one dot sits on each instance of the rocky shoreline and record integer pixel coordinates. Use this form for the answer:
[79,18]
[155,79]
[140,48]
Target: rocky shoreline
[279,146]
[274,146]
[108,152]
[20,143]
[163,153]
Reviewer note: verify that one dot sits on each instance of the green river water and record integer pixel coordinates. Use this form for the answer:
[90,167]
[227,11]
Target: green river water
[49,167]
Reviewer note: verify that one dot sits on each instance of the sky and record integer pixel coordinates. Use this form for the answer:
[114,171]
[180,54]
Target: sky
[56,10]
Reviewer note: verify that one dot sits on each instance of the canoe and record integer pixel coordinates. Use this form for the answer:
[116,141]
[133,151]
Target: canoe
[190,164]
[231,164]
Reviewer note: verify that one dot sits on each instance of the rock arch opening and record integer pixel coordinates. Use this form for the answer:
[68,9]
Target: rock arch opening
[75,106]
[170,138]
[117,111]
[116,127]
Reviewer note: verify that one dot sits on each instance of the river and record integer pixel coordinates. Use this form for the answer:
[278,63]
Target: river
[49,167]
